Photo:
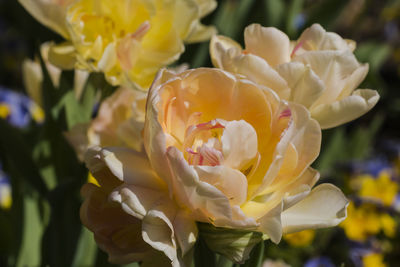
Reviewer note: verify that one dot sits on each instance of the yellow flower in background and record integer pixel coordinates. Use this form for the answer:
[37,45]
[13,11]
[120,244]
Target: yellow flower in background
[373,260]
[300,239]
[4,110]
[366,220]
[127,40]
[319,70]
[381,189]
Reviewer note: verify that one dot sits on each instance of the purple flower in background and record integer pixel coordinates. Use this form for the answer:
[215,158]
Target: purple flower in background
[372,166]
[321,261]
[17,108]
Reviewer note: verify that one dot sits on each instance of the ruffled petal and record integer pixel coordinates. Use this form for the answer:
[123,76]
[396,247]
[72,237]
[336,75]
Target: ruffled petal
[268,43]
[324,207]
[345,110]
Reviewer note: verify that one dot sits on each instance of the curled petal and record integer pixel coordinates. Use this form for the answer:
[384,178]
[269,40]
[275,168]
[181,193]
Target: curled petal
[345,110]
[269,43]
[324,207]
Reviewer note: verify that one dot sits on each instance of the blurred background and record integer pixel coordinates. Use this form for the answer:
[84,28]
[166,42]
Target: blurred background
[40,176]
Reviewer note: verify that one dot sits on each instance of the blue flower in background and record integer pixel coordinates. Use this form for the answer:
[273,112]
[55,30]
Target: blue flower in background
[18,109]
[5,191]
[373,166]
[321,261]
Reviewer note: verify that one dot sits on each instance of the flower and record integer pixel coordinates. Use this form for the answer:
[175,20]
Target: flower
[373,260]
[236,156]
[127,40]
[319,70]
[300,239]
[33,76]
[130,212]
[321,261]
[381,189]
[366,220]
[18,109]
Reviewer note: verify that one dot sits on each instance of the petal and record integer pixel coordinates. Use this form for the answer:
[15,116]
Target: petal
[158,231]
[271,225]
[32,78]
[324,207]
[63,55]
[239,144]
[116,232]
[50,13]
[257,70]
[190,191]
[108,59]
[229,181]
[200,33]
[334,68]
[268,43]
[137,201]
[306,87]
[123,165]
[131,167]
[222,49]
[185,230]
[345,110]
[316,38]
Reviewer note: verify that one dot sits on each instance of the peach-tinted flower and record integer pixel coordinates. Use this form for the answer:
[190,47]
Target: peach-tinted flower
[127,40]
[130,212]
[319,70]
[236,156]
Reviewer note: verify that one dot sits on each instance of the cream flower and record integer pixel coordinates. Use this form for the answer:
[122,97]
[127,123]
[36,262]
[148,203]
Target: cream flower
[130,212]
[319,70]
[127,40]
[236,156]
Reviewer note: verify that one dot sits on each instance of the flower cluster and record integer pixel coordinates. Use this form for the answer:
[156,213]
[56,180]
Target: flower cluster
[206,152]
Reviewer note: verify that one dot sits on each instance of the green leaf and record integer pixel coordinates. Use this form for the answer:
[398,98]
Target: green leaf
[14,147]
[86,250]
[274,12]
[374,53]
[256,256]
[234,244]
[32,233]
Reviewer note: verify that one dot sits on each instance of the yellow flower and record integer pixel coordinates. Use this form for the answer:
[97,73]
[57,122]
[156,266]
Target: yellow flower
[365,221]
[127,40]
[373,260]
[319,70]
[381,189]
[237,156]
[300,239]
[4,110]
